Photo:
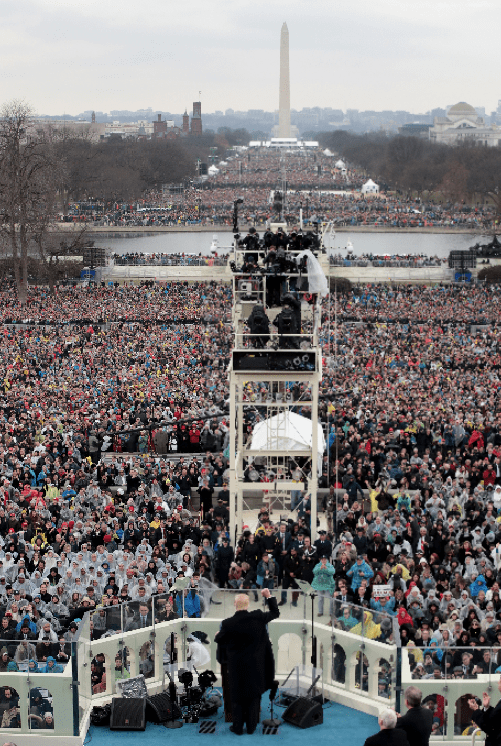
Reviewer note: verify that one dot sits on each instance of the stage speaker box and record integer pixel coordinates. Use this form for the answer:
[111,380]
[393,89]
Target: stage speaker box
[159,708]
[128,713]
[304,713]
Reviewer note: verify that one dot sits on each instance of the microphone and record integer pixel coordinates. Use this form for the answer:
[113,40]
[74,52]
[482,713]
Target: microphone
[273,690]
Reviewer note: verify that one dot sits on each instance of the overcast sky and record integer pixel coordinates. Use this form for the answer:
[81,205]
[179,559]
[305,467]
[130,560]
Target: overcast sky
[67,56]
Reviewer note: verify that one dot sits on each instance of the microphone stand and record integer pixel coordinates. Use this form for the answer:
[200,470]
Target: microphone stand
[172,723]
[306,588]
[272,722]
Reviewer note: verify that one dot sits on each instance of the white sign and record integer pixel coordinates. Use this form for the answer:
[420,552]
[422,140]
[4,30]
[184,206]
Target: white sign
[381,590]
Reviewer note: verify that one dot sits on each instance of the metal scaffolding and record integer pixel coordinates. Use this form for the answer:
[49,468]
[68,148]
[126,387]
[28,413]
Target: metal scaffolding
[270,387]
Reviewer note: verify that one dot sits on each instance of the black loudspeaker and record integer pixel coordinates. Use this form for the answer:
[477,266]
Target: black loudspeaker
[128,713]
[292,360]
[159,708]
[304,713]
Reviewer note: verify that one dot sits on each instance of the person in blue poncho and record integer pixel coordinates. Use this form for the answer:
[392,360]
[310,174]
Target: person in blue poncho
[346,619]
[52,666]
[26,620]
[434,650]
[358,572]
[478,584]
[191,604]
[33,666]
[324,583]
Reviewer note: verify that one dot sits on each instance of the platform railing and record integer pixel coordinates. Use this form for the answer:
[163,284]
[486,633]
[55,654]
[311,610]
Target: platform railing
[359,669]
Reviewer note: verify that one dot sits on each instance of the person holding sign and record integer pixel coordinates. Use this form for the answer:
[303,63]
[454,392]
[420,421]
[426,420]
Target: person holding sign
[382,599]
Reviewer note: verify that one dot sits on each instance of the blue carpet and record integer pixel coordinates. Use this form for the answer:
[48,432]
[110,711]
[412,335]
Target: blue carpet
[341,725]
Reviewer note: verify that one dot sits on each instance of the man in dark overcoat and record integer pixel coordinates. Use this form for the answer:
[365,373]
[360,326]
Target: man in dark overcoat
[245,648]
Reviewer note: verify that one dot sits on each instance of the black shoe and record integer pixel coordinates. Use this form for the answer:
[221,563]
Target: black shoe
[236,732]
[250,732]
[282,603]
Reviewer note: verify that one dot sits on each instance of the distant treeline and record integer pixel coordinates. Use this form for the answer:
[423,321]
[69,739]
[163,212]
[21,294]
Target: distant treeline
[414,165]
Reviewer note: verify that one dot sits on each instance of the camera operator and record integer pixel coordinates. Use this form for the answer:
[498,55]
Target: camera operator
[259,324]
[251,243]
[310,241]
[287,323]
[289,299]
[250,264]
[296,241]
[280,239]
[273,278]
[268,237]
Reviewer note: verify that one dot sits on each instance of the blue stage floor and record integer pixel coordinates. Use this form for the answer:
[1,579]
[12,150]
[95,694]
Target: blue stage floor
[341,725]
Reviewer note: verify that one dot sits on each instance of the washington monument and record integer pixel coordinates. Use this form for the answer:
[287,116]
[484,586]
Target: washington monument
[284,103]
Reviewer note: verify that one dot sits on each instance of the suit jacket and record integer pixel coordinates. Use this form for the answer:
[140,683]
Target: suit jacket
[280,544]
[417,723]
[135,622]
[489,721]
[392,737]
[244,645]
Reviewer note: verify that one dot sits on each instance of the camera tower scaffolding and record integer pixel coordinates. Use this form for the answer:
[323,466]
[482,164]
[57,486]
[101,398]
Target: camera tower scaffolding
[262,382]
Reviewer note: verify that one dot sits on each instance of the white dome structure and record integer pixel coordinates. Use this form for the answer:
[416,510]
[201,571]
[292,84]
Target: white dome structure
[340,164]
[461,110]
[212,170]
[328,152]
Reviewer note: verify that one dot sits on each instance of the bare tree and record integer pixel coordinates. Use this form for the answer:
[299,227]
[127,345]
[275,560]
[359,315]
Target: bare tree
[28,183]
[58,252]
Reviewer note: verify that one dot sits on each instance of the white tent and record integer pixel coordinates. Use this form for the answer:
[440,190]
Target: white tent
[328,152]
[223,163]
[213,170]
[340,164]
[289,432]
[370,187]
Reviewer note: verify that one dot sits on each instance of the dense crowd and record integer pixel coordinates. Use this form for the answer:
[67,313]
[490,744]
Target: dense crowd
[100,508]
[386,260]
[313,184]
[158,259]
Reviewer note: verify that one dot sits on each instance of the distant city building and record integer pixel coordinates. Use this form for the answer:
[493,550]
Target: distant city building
[462,124]
[289,143]
[196,119]
[165,128]
[130,130]
[94,131]
[159,127]
[415,129]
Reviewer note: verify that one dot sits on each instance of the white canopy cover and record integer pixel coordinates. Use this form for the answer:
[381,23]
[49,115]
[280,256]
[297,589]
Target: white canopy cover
[287,431]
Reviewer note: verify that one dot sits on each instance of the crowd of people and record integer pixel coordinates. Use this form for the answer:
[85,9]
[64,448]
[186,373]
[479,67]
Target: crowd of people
[313,184]
[159,259]
[386,260]
[101,510]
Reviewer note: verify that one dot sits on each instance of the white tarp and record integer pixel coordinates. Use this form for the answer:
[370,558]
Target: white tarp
[317,281]
[289,432]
